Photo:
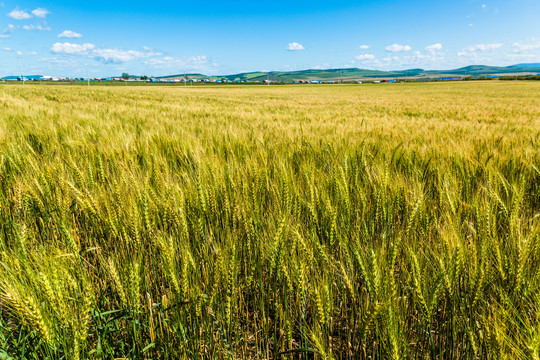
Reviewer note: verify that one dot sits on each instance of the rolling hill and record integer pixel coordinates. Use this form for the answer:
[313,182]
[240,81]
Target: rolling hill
[348,74]
[356,73]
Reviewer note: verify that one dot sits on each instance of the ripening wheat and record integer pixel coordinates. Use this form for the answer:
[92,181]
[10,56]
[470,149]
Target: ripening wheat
[339,222]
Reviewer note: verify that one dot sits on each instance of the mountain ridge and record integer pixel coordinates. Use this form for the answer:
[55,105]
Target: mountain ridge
[359,73]
[348,74]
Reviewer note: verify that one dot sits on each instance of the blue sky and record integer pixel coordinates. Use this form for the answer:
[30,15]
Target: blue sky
[68,38]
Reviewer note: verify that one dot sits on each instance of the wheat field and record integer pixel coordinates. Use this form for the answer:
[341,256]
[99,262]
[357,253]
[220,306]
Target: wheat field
[280,222]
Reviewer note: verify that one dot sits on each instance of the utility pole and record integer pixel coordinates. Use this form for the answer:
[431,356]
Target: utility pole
[87,77]
[20,68]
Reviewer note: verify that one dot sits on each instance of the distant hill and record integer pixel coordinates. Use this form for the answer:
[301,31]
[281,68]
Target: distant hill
[348,74]
[529,65]
[356,73]
[475,70]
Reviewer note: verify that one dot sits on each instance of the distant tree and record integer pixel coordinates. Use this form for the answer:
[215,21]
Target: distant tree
[144,77]
[125,76]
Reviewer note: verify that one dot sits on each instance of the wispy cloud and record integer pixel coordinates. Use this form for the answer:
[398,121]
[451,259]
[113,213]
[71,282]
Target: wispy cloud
[69,34]
[26,53]
[36,27]
[322,66]
[294,46]
[118,55]
[398,48]
[363,47]
[104,55]
[65,63]
[529,45]
[19,15]
[434,47]
[430,57]
[478,49]
[365,57]
[40,12]
[72,49]
[7,31]
[528,50]
[189,63]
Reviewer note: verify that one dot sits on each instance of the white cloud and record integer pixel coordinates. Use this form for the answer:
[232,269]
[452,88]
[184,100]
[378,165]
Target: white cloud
[69,34]
[104,55]
[526,46]
[7,31]
[19,15]
[528,50]
[295,46]
[117,55]
[23,15]
[363,47]
[484,6]
[36,27]
[434,47]
[398,48]
[26,53]
[67,63]
[478,49]
[72,49]
[190,63]
[365,57]
[320,67]
[40,13]
[428,58]
[425,59]
[6,49]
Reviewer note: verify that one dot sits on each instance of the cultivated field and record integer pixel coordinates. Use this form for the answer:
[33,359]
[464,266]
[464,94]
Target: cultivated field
[318,222]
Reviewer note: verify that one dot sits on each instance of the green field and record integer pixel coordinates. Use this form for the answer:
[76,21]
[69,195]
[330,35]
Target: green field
[312,222]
